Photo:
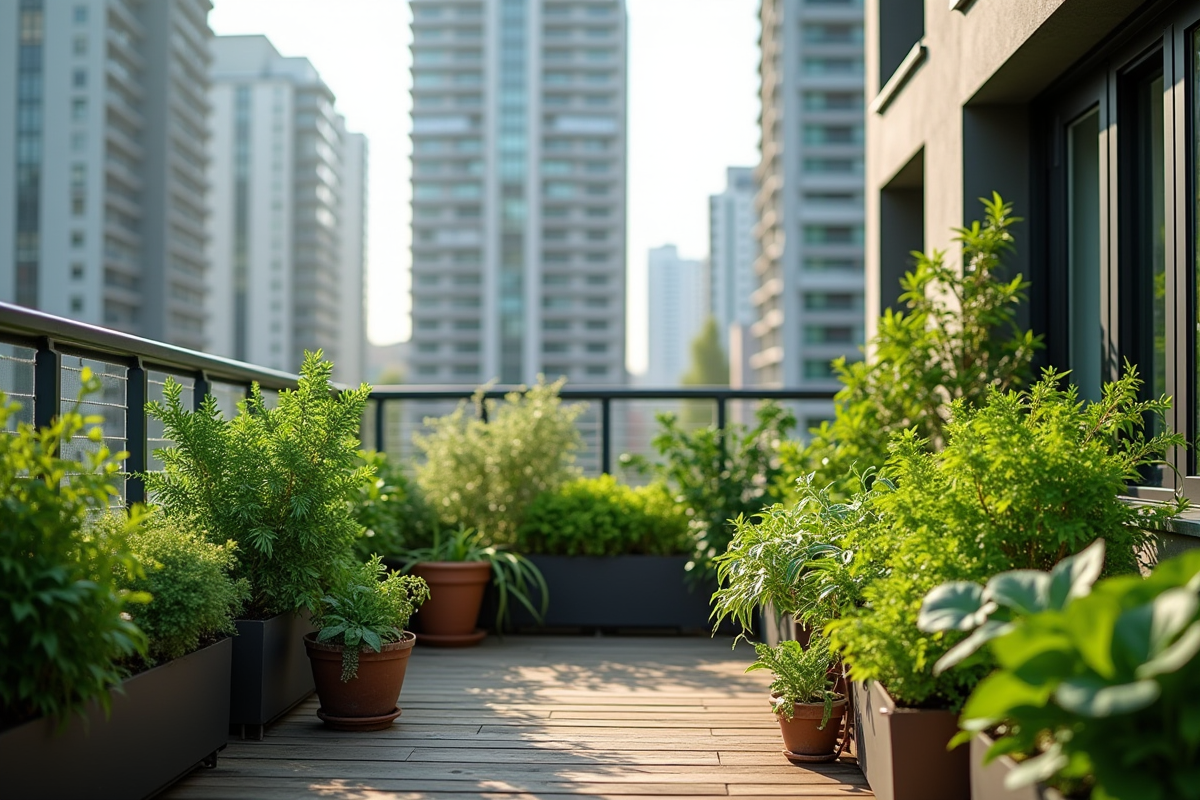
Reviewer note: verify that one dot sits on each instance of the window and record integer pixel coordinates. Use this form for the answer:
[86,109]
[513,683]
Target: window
[833,33]
[597,347]
[833,334]
[80,15]
[555,325]
[79,78]
[554,347]
[833,234]
[841,166]
[832,301]
[833,101]
[1085,330]
[76,238]
[596,370]
[816,369]
[77,272]
[79,45]
[79,109]
[822,264]
[76,305]
[466,324]
[833,134]
[826,65]
[596,325]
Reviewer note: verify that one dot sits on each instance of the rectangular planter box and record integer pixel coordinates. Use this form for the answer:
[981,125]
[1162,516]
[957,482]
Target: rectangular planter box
[987,782]
[653,593]
[270,673]
[902,751]
[164,723]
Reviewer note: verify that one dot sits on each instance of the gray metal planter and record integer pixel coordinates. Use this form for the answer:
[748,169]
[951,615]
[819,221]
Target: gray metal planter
[270,673]
[164,723]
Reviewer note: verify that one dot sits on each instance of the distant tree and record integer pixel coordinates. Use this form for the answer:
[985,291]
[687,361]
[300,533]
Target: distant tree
[709,367]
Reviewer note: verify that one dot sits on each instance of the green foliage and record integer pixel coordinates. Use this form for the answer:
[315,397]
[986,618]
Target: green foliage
[1026,479]
[514,576]
[719,476]
[801,675]
[193,596]
[278,482]
[602,517]
[1099,687]
[62,629]
[958,341]
[710,365]
[390,509]
[367,611]
[485,475]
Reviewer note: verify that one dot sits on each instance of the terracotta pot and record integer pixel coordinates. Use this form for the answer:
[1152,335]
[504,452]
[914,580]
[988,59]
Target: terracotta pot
[364,703]
[447,618]
[801,736]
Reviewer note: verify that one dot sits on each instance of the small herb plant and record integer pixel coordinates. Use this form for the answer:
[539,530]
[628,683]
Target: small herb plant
[193,596]
[514,576]
[368,611]
[485,475]
[1096,684]
[718,476]
[390,509]
[602,517]
[801,675]
[277,481]
[64,626]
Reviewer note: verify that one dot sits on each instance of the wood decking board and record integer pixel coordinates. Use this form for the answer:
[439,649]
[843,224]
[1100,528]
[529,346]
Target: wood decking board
[543,718]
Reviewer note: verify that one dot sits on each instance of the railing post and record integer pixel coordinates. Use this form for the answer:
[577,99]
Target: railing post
[380,429]
[200,390]
[135,433]
[47,383]
[721,429]
[605,435]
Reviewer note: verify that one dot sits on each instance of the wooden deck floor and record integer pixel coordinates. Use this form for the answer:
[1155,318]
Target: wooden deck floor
[543,717]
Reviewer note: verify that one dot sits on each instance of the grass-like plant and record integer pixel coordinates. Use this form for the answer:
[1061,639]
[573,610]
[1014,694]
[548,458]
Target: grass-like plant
[514,576]
[801,675]
[277,481]
[64,632]
[370,609]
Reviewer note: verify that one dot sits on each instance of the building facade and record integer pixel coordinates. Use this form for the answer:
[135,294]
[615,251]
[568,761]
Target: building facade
[808,302]
[288,219]
[731,253]
[518,245]
[1082,114]
[103,186]
[678,306]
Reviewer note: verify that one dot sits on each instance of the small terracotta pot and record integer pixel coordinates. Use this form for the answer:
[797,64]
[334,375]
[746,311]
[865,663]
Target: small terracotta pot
[456,589]
[364,703]
[801,736]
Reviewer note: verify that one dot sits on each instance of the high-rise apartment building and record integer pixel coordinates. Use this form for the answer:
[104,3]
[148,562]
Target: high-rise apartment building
[103,187]
[288,221]
[809,300]
[519,131]
[678,307]
[731,252]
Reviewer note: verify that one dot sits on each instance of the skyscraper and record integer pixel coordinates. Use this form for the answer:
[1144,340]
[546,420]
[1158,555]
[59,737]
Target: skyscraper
[678,307]
[731,251]
[809,300]
[287,240]
[518,190]
[103,190]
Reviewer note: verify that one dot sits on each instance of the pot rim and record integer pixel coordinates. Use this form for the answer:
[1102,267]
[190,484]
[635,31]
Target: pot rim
[407,640]
[840,701]
[453,564]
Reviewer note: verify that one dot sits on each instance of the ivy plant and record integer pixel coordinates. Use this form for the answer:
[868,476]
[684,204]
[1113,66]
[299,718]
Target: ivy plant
[802,675]
[64,625]
[370,609]
[276,481]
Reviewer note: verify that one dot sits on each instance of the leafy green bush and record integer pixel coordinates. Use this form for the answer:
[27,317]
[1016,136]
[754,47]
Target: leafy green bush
[278,482]
[391,510]
[62,630]
[719,476]
[801,675]
[1023,481]
[1096,684]
[485,475]
[193,596]
[367,611]
[602,517]
[957,341]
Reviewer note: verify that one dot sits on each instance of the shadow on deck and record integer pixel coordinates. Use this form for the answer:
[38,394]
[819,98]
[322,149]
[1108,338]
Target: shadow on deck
[543,717]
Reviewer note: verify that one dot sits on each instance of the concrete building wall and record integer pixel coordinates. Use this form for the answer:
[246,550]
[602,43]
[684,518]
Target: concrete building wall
[731,252]
[353,344]
[676,300]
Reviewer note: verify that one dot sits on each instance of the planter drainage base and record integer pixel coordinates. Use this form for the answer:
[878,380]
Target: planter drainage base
[453,639]
[797,758]
[359,723]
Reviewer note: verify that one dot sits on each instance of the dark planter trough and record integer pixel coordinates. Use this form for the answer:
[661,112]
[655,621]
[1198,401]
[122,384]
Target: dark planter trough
[902,751]
[616,592]
[165,723]
[270,673]
[987,782]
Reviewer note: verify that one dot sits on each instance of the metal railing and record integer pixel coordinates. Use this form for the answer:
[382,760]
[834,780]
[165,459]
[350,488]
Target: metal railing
[41,356]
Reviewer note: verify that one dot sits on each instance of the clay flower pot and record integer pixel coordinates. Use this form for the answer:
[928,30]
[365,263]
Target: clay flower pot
[802,739]
[364,703]
[447,618]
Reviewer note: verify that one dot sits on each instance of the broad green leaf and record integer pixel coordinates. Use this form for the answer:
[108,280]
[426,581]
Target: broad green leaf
[989,630]
[1039,768]
[1092,697]
[954,606]
[1035,636]
[1175,656]
[1025,591]
[1073,576]
[1090,622]
[999,693]
[1142,633]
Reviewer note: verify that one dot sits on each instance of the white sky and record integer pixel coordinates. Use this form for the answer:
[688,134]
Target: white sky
[693,108]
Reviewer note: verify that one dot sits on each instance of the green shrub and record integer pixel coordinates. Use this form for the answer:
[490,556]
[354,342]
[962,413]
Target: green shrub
[278,482]
[801,675]
[485,475]
[718,476]
[62,631]
[957,341]
[602,517]
[193,596]
[391,510]
[1023,481]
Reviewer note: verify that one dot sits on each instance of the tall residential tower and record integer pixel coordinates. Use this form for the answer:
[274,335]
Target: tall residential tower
[731,252]
[519,132]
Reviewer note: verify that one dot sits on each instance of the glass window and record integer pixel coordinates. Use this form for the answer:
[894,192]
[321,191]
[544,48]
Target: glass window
[1085,332]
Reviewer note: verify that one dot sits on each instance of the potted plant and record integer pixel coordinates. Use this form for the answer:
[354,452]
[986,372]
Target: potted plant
[278,482]
[359,653]
[391,511]
[457,568]
[804,699]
